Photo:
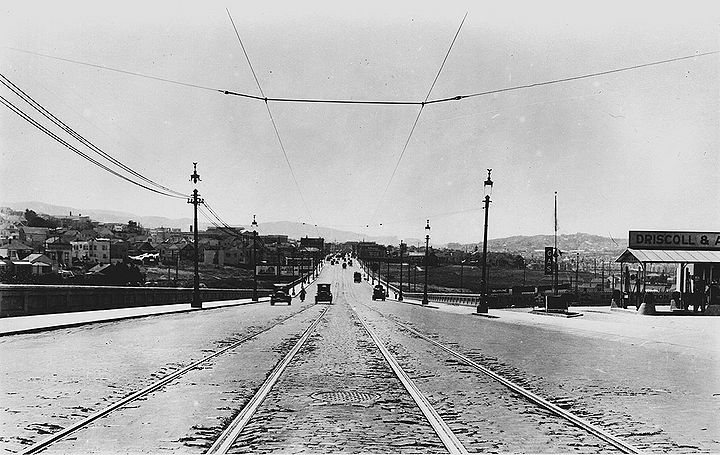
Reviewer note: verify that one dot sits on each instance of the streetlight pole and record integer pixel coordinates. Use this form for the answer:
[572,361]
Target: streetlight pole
[400,296]
[254,261]
[462,266]
[487,187]
[387,277]
[427,246]
[195,200]
[555,254]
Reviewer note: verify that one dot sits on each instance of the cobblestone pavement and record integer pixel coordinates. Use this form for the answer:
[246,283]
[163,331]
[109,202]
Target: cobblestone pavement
[484,414]
[52,379]
[659,398]
[338,395]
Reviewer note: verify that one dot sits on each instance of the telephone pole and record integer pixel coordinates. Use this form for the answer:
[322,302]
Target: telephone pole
[195,200]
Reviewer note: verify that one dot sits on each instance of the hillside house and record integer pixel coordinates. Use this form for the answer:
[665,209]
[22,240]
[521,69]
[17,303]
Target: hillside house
[15,250]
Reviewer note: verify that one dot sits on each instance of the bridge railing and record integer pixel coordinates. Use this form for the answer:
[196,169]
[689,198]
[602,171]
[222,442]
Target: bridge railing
[25,300]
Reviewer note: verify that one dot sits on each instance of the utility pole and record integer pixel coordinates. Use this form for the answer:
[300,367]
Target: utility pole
[195,200]
[577,269]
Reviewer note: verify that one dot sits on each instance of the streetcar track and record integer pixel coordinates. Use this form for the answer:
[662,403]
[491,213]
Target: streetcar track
[533,397]
[227,438]
[55,437]
[446,435]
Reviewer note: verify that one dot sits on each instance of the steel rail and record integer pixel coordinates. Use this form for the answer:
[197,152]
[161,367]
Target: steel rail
[227,438]
[55,437]
[577,421]
[448,438]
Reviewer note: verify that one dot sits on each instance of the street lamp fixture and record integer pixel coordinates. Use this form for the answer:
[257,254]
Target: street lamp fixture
[254,259]
[427,245]
[487,189]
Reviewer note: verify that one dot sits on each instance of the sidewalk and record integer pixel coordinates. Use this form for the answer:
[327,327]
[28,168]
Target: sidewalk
[40,322]
[691,335]
[37,323]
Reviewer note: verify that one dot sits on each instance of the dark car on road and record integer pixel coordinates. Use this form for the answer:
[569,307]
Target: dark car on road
[357,277]
[378,292]
[280,295]
[323,293]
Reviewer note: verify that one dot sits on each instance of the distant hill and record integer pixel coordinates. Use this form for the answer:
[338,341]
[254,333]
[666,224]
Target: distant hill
[104,216]
[566,242]
[293,230]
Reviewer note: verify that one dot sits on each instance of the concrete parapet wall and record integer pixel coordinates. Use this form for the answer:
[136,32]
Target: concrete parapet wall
[494,300]
[26,300]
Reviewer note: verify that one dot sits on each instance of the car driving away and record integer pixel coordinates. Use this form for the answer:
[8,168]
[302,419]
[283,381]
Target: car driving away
[378,292]
[323,293]
[280,294]
[357,277]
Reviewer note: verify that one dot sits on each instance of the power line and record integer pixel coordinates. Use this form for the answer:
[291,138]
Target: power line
[417,118]
[272,119]
[374,102]
[447,54]
[573,78]
[50,116]
[42,128]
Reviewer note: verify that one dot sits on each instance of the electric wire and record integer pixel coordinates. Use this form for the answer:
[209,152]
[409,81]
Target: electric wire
[377,102]
[573,78]
[417,118]
[54,136]
[50,116]
[108,68]
[274,124]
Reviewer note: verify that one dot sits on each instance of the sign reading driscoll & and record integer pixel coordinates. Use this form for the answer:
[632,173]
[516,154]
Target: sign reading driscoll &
[674,240]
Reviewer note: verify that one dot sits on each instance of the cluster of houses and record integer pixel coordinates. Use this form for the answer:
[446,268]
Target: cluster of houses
[83,246]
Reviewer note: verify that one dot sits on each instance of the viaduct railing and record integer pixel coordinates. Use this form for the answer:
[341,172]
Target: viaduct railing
[25,300]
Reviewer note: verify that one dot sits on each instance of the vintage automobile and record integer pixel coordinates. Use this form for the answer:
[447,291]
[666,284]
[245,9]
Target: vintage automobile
[357,277]
[378,292]
[323,293]
[280,295]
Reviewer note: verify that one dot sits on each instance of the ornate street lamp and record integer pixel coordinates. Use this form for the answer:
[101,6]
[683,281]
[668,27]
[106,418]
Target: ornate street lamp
[402,247]
[387,275]
[254,259]
[487,187]
[427,245]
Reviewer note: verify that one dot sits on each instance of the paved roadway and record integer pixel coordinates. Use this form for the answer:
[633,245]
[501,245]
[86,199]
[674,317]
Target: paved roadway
[653,381]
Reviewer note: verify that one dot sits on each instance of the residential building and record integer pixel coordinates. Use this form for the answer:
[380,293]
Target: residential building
[100,250]
[59,251]
[15,250]
[80,251]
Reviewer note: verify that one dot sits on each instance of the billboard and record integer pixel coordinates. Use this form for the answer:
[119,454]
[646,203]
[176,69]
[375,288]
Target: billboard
[674,240]
[289,270]
[266,269]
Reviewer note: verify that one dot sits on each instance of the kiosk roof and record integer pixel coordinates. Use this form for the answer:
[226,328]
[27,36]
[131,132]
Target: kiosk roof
[670,256]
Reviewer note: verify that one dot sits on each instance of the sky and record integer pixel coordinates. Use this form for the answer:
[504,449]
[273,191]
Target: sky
[631,150]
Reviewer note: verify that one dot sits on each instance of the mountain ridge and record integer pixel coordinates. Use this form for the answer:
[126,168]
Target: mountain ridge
[519,243]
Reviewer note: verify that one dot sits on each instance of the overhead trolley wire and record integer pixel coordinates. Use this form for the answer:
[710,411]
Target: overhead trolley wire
[417,118]
[572,78]
[272,119]
[377,102]
[54,136]
[50,116]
